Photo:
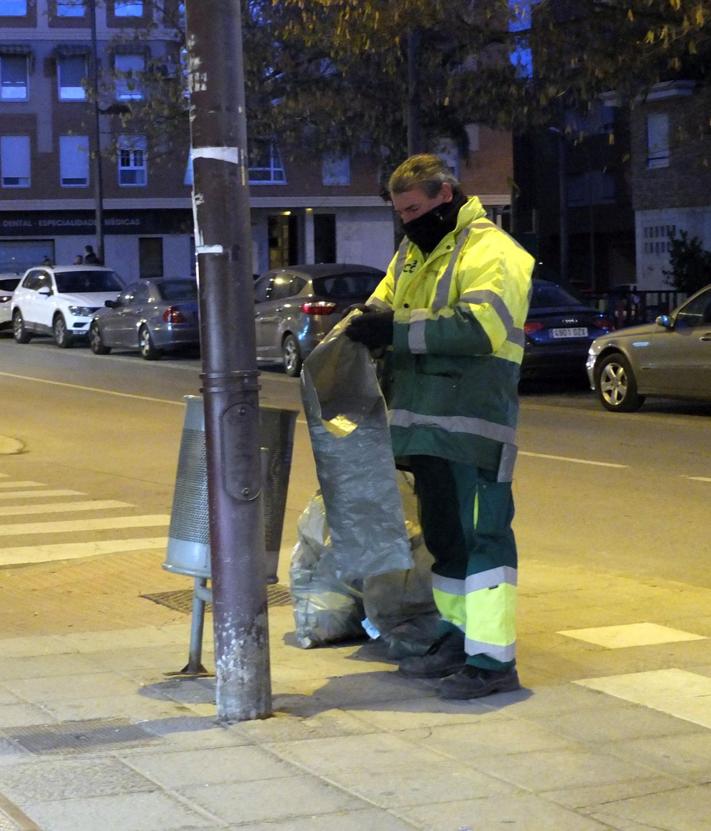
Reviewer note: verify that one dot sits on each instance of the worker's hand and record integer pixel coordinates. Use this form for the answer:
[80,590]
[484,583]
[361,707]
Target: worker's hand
[372,329]
[356,307]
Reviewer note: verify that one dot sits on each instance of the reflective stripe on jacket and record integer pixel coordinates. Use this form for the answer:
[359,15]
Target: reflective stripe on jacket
[458,343]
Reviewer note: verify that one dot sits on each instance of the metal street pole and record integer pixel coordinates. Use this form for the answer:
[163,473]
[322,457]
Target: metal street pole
[562,203]
[230,378]
[96,156]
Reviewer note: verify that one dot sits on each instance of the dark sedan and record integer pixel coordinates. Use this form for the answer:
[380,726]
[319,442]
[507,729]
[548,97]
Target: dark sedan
[297,305]
[558,332]
[152,316]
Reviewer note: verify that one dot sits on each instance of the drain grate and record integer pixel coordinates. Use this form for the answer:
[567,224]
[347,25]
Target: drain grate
[79,736]
[182,600]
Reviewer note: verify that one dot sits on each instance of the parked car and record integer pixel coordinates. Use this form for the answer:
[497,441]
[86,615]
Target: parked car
[8,284]
[60,301]
[152,316]
[558,331]
[671,357]
[296,306]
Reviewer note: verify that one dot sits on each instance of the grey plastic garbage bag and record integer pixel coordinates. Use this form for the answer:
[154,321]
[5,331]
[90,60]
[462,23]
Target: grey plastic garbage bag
[347,421]
[326,610]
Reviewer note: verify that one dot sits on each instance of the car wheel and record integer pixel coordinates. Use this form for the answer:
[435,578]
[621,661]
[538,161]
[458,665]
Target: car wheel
[616,384]
[19,332]
[62,337]
[146,345]
[292,356]
[96,343]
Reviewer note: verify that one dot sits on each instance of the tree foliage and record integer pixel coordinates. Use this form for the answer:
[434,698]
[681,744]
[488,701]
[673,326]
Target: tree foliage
[690,264]
[332,75]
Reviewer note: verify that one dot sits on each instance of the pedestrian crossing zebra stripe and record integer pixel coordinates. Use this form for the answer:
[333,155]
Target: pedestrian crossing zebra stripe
[27,484]
[79,525]
[32,554]
[63,507]
[4,495]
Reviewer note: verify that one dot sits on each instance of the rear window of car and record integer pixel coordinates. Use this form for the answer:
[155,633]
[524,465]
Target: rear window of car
[9,283]
[347,286]
[87,281]
[548,294]
[178,290]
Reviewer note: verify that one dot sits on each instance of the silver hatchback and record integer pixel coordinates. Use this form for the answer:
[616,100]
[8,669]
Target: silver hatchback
[297,306]
[671,358]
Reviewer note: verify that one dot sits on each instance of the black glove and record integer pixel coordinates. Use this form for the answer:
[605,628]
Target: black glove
[361,307]
[372,329]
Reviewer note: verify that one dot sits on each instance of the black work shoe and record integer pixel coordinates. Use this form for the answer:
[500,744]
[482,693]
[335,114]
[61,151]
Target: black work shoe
[474,682]
[446,655]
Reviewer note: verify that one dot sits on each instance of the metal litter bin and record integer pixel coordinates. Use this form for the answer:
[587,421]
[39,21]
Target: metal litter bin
[188,549]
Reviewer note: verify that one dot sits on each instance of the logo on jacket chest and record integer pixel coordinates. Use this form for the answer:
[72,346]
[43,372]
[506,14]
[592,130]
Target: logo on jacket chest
[408,268]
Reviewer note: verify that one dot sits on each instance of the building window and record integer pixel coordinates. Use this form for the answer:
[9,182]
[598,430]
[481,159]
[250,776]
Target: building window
[336,170]
[265,167]
[15,161]
[658,140]
[74,161]
[128,8]
[150,256]
[132,161]
[71,75]
[129,68]
[14,83]
[71,8]
[13,8]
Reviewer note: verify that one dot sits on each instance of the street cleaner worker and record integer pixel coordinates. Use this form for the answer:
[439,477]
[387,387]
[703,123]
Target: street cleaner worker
[451,310]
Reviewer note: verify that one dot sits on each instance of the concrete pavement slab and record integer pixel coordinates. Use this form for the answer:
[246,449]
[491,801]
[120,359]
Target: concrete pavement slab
[370,818]
[685,755]
[298,796]
[524,812]
[596,796]
[126,812]
[685,809]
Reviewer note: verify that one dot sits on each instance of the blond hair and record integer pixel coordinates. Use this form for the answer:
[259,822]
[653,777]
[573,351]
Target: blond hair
[425,171]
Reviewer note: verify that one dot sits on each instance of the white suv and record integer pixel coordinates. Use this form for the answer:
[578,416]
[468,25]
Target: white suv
[61,300]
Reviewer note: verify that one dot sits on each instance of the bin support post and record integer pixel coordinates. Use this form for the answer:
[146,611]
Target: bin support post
[197,624]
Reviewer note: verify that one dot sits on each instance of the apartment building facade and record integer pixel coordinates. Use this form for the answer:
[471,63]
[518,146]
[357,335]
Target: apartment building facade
[302,209]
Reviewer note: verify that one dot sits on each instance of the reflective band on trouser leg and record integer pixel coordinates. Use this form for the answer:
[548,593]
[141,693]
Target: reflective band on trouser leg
[490,622]
[449,598]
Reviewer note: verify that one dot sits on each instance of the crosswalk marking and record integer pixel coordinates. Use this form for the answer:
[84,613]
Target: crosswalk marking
[682,694]
[40,494]
[7,485]
[631,634]
[27,554]
[62,507]
[71,525]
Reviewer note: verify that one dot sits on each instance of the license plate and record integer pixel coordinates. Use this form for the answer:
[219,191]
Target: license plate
[572,332]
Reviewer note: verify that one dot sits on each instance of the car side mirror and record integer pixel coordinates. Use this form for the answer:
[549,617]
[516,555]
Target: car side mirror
[45,291]
[665,321]
[112,304]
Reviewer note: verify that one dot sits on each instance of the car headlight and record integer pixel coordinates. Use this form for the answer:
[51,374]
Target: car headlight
[81,311]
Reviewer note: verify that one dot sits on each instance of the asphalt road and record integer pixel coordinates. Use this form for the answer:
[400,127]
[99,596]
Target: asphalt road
[626,493]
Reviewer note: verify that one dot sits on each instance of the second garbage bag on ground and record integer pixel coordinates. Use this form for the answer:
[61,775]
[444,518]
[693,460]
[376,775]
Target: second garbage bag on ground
[354,556]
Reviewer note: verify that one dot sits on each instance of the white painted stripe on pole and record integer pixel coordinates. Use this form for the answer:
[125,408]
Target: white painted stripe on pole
[676,692]
[40,494]
[92,389]
[222,154]
[699,478]
[62,507]
[79,525]
[570,459]
[28,484]
[210,249]
[73,550]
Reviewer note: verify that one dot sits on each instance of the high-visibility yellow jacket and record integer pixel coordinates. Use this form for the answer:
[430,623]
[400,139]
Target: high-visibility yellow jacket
[452,376]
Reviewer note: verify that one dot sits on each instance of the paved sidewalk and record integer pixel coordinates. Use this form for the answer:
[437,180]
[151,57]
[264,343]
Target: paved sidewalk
[612,729]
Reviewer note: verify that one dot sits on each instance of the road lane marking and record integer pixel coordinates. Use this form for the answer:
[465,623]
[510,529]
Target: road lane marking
[27,554]
[676,692]
[93,389]
[70,525]
[8,485]
[63,507]
[630,634]
[698,478]
[570,459]
[40,494]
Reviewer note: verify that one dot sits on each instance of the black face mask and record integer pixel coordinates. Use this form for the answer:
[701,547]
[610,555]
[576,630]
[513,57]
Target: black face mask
[427,230]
